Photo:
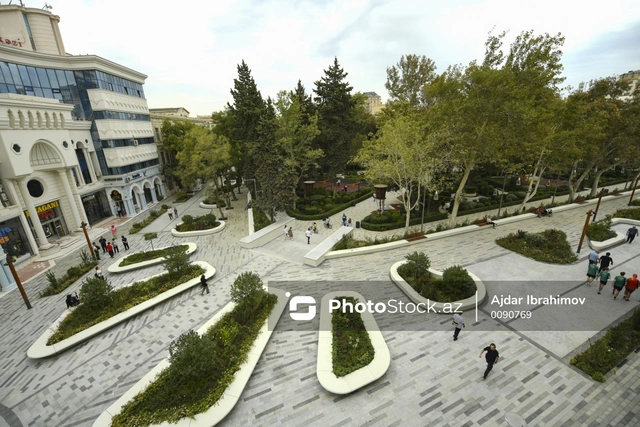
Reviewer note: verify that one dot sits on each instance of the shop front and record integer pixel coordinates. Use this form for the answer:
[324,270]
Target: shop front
[13,239]
[51,219]
[96,206]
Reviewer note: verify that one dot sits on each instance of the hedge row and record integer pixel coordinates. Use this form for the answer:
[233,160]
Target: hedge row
[366,193]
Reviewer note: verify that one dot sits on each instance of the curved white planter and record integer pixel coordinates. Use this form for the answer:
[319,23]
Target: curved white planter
[40,349]
[216,413]
[217,229]
[205,206]
[609,242]
[363,376]
[115,267]
[414,296]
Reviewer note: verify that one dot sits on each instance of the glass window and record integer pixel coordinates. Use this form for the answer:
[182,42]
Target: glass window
[20,90]
[11,88]
[4,67]
[53,79]
[62,79]
[17,80]
[24,75]
[59,97]
[38,92]
[47,93]
[42,76]
[3,88]
[33,76]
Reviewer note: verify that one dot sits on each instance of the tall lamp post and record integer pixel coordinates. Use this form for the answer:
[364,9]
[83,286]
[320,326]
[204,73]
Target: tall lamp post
[86,236]
[584,229]
[18,282]
[602,192]
[633,191]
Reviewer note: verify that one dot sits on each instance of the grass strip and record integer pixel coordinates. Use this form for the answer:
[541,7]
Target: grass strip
[149,255]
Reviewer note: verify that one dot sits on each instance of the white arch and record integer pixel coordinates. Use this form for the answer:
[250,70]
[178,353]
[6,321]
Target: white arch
[136,187]
[44,153]
[147,184]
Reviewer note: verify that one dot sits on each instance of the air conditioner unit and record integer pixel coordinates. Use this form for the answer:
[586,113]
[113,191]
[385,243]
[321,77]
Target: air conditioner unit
[135,142]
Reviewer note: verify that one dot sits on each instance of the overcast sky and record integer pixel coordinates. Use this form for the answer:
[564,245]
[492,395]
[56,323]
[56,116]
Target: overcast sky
[190,49]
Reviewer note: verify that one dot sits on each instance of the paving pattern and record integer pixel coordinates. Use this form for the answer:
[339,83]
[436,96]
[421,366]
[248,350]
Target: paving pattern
[431,381]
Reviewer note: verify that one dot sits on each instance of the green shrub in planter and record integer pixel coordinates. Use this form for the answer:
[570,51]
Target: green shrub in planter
[628,213]
[635,202]
[511,197]
[187,219]
[458,277]
[96,293]
[470,189]
[164,207]
[601,231]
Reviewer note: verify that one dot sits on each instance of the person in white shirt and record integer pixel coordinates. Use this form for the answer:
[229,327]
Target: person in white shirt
[308,234]
[458,321]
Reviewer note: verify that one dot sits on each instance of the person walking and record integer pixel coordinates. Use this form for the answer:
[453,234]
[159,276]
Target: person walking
[593,257]
[290,233]
[344,220]
[604,277]
[175,212]
[114,243]
[592,270]
[103,244]
[125,243]
[119,210]
[492,358]
[114,231]
[618,284]
[98,274]
[110,249]
[96,250]
[286,233]
[308,234]
[458,320]
[605,261]
[630,286]
[631,234]
[204,285]
[170,213]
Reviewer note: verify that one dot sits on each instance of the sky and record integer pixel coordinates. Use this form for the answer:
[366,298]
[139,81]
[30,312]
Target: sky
[190,51]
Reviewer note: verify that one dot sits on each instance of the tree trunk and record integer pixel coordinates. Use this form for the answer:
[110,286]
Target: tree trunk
[596,179]
[295,197]
[456,202]
[233,194]
[406,202]
[530,195]
[573,186]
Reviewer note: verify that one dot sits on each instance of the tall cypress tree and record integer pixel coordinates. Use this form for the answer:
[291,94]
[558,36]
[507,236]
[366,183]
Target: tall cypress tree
[246,110]
[336,116]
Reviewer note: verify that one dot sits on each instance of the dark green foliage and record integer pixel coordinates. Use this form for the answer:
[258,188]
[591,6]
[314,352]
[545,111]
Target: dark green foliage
[150,237]
[57,285]
[187,219]
[635,202]
[316,211]
[549,246]
[204,222]
[95,293]
[120,300]
[606,353]
[455,285]
[201,370]
[352,348]
[148,255]
[182,196]
[260,219]
[176,261]
[247,286]
[601,231]
[632,213]
[349,242]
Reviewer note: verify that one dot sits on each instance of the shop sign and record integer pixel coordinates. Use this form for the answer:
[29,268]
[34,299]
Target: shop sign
[91,197]
[135,175]
[3,238]
[10,42]
[45,210]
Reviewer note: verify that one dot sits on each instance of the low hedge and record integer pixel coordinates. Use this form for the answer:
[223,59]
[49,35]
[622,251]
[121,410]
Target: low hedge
[628,213]
[149,255]
[606,353]
[368,225]
[203,222]
[260,219]
[153,215]
[349,242]
[366,193]
[352,348]
[550,246]
[601,231]
[120,300]
[71,276]
[198,376]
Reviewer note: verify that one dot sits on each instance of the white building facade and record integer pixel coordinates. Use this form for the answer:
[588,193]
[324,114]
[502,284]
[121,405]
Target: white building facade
[76,141]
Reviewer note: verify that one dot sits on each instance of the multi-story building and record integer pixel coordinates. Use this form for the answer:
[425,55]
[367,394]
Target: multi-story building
[632,77]
[76,141]
[373,102]
[158,115]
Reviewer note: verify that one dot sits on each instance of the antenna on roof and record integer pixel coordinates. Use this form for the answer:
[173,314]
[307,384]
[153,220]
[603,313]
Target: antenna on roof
[47,6]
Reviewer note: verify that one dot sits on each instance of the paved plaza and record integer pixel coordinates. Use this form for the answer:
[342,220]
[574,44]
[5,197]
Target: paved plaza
[431,381]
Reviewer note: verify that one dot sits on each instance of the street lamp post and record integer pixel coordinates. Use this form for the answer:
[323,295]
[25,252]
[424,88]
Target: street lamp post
[18,282]
[86,236]
[584,229]
[602,192]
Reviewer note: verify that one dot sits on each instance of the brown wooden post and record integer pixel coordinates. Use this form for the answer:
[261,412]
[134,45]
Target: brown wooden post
[86,236]
[18,282]
[584,229]
[633,191]
[602,192]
